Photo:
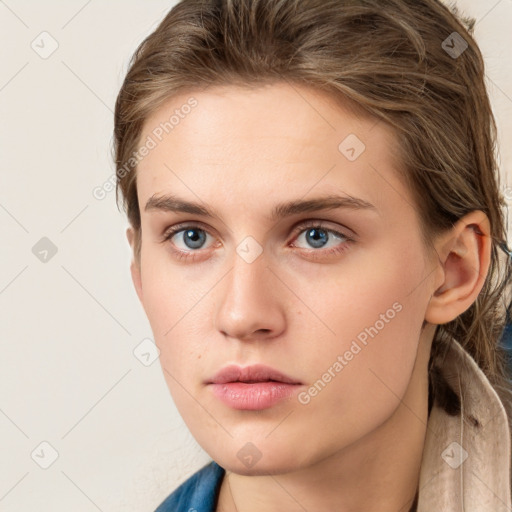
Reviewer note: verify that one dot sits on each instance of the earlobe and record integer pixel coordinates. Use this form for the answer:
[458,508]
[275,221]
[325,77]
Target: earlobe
[464,256]
[134,265]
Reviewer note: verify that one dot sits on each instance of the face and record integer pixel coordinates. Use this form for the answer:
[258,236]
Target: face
[289,300]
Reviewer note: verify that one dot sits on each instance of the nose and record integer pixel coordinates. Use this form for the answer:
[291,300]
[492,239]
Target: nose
[252,301]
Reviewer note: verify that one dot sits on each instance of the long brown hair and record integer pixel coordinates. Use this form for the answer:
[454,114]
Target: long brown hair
[411,63]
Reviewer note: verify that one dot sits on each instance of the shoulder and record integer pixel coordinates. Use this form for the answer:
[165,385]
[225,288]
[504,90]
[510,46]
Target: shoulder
[467,440]
[198,493]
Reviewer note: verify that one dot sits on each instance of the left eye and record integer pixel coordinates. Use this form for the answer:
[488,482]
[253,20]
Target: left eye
[319,237]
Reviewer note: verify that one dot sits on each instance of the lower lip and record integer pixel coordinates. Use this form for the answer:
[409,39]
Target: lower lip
[253,396]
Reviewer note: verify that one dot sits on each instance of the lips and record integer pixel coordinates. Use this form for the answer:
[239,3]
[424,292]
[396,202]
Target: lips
[250,375]
[252,388]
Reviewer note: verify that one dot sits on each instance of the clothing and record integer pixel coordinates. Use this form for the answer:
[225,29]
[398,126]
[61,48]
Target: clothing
[197,494]
[506,340]
[465,464]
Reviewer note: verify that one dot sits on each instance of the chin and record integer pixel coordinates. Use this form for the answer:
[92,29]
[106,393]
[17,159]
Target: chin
[259,458]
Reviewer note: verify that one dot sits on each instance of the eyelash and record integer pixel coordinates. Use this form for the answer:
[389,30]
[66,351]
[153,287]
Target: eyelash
[308,225]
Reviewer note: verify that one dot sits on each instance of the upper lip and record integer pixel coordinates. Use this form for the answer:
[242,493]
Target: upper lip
[250,374]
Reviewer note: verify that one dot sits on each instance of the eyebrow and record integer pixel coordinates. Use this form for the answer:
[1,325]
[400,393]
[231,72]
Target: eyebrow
[172,203]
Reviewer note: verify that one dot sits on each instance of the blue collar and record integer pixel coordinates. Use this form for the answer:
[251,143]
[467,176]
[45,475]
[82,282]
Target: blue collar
[197,494]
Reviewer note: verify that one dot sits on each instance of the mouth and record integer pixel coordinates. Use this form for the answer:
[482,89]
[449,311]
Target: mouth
[252,388]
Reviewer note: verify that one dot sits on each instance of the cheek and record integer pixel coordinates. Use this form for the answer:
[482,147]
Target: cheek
[369,290]
[172,302]
[377,318]
[370,379]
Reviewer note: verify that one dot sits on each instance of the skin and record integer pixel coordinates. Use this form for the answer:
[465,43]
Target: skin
[241,152]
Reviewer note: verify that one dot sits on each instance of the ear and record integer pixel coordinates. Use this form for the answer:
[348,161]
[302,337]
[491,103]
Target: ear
[134,265]
[464,256]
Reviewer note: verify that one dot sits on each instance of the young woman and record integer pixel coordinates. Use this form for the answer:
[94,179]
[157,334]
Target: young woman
[316,223]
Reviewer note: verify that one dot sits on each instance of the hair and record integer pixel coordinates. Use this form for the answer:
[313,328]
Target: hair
[387,60]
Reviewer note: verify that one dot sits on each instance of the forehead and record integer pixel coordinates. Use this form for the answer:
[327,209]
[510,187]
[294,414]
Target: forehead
[265,142]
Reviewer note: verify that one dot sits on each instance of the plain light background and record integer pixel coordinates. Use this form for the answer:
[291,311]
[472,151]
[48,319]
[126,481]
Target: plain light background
[69,324]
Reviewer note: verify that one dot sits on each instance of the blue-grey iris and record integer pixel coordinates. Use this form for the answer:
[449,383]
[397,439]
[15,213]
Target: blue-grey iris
[197,241]
[322,238]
